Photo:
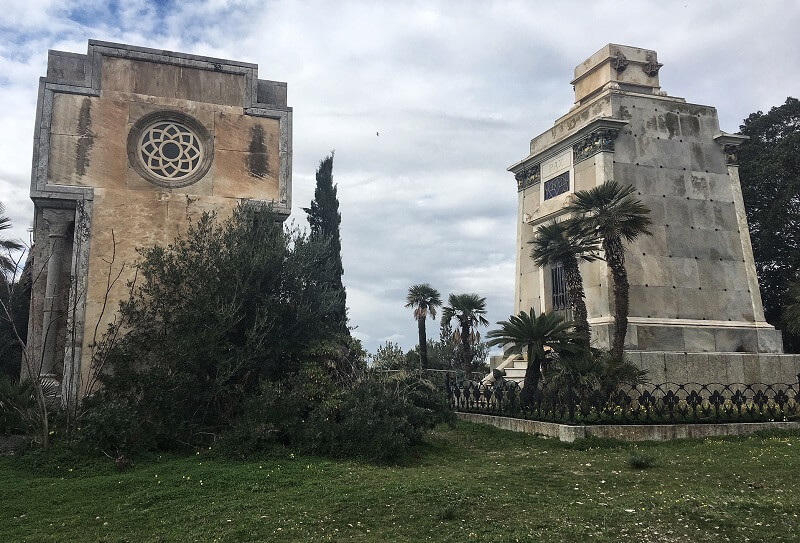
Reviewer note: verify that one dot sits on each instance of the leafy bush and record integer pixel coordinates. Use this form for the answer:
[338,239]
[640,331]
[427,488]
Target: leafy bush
[17,406]
[221,309]
[377,417]
[114,428]
[595,372]
[230,340]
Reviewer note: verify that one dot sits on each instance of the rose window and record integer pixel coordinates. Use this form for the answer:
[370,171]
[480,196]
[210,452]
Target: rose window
[170,151]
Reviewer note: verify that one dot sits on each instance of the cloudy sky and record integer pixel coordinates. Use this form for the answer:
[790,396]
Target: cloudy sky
[456,91]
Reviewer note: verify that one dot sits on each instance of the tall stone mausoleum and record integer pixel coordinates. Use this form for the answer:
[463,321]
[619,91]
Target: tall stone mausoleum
[693,284]
[130,145]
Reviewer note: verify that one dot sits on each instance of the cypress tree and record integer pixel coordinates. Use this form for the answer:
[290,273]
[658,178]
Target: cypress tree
[324,219]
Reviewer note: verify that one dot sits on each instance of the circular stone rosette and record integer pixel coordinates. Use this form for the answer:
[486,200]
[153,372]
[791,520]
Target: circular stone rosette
[170,149]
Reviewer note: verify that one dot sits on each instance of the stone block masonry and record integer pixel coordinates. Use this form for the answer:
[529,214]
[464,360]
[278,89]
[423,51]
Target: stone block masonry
[693,285]
[130,144]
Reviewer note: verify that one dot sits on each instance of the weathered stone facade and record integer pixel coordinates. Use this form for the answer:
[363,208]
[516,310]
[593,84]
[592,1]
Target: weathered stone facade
[130,143]
[693,284]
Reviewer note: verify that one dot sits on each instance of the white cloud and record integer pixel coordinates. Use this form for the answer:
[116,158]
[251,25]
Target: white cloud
[456,91]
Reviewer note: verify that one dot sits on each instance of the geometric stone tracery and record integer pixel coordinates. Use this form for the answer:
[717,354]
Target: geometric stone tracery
[170,151]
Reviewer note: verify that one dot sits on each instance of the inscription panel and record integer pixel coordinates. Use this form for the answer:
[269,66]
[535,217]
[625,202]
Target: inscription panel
[556,165]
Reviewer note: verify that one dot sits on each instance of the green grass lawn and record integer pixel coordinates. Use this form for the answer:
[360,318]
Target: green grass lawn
[469,483]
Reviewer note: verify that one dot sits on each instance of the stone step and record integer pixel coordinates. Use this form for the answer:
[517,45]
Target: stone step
[515,373]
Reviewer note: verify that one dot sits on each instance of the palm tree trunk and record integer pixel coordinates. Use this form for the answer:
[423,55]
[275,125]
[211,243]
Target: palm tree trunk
[533,374]
[465,340]
[615,256]
[577,298]
[423,343]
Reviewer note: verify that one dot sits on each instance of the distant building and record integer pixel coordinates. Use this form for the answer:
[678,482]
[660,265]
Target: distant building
[129,143]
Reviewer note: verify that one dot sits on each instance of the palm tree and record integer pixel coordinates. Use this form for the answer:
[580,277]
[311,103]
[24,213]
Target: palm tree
[424,299]
[531,333]
[561,244]
[613,213]
[469,310]
[6,245]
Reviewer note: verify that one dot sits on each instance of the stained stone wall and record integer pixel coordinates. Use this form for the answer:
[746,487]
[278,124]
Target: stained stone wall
[693,286]
[106,157]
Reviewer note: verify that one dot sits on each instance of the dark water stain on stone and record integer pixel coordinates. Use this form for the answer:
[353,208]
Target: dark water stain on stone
[85,138]
[690,125]
[671,120]
[257,159]
[624,113]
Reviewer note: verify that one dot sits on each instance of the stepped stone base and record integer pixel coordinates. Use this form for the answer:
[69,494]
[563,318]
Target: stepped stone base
[703,368]
[726,368]
[693,338]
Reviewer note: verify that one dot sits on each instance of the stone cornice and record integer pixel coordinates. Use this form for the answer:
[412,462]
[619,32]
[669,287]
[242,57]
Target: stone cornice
[534,160]
[528,176]
[730,144]
[599,141]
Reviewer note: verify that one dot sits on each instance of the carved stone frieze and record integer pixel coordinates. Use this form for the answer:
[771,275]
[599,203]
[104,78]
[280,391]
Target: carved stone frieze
[730,154]
[601,140]
[652,66]
[528,176]
[619,62]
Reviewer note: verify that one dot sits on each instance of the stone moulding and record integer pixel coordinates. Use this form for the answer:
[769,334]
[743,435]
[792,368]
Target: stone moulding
[527,171]
[528,177]
[76,73]
[599,141]
[730,145]
[206,152]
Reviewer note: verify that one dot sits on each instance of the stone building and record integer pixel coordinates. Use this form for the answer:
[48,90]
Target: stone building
[130,144]
[694,293]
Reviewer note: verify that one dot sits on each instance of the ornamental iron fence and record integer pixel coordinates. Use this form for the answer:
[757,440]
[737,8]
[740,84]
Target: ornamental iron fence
[666,403]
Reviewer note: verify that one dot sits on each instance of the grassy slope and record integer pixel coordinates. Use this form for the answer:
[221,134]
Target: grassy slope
[470,483]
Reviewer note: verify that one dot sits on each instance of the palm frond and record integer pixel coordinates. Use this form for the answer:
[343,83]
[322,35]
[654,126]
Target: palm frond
[424,299]
[611,211]
[561,242]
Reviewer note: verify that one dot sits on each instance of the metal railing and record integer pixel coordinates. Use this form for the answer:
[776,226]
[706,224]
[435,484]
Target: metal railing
[666,403]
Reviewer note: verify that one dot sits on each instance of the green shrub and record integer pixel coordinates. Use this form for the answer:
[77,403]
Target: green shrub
[17,406]
[112,425]
[229,340]
[376,417]
[215,313]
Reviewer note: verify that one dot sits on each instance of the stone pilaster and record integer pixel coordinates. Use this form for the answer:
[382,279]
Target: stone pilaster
[58,223]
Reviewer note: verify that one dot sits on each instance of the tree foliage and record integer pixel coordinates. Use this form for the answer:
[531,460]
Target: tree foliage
[6,245]
[612,212]
[228,342]
[468,310]
[215,313]
[526,333]
[563,243]
[325,221]
[424,299]
[769,170]
[791,314]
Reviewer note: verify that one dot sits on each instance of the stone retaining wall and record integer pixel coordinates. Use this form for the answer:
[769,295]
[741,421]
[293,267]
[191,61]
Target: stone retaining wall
[626,432]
